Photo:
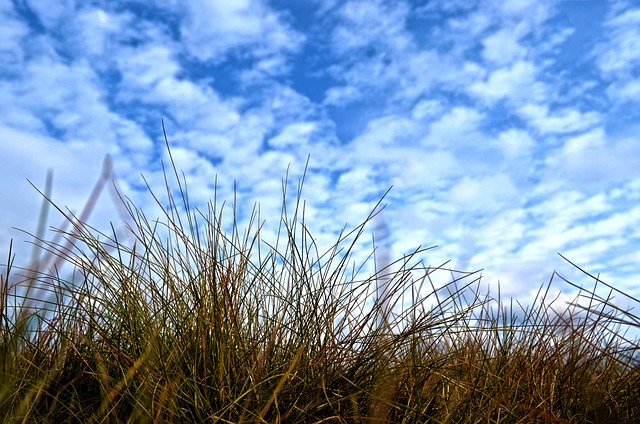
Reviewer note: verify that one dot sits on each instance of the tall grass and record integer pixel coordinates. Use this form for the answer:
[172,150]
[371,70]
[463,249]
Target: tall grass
[187,322]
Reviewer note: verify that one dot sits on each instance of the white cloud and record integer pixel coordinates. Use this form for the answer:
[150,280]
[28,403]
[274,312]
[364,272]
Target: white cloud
[338,96]
[515,82]
[506,229]
[582,228]
[149,75]
[50,12]
[617,224]
[620,53]
[388,130]
[458,127]
[625,91]
[402,76]
[562,121]
[371,23]
[488,193]
[362,177]
[412,170]
[517,7]
[202,174]
[211,30]
[265,68]
[529,15]
[143,68]
[197,107]
[378,56]
[64,98]
[96,33]
[474,23]
[502,47]
[135,152]
[12,32]
[559,210]
[515,144]
[296,134]
[426,109]
[592,159]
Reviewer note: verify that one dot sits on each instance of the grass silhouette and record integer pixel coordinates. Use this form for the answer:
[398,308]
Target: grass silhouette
[189,323]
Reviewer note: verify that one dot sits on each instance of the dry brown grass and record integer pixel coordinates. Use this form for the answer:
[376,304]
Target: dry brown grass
[193,324]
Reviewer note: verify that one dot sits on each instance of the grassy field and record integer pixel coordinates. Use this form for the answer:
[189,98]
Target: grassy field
[192,323]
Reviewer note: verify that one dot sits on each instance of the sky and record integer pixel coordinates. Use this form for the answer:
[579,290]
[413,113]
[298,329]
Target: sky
[508,130]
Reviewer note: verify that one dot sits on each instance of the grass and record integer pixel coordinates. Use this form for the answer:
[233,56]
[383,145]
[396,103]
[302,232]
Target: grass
[191,323]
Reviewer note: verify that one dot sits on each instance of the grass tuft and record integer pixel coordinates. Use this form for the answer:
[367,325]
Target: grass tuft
[187,322]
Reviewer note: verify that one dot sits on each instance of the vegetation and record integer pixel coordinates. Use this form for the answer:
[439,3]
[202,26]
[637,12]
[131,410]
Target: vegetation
[191,323]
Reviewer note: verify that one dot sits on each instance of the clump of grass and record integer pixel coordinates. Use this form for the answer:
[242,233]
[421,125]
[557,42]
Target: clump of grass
[191,323]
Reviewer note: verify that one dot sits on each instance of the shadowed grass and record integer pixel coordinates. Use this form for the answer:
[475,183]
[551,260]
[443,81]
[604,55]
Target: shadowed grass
[186,322]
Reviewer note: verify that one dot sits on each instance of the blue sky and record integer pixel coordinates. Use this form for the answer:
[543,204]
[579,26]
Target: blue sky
[508,129]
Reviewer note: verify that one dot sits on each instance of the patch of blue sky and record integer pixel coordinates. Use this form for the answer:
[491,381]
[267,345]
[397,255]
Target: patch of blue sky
[30,17]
